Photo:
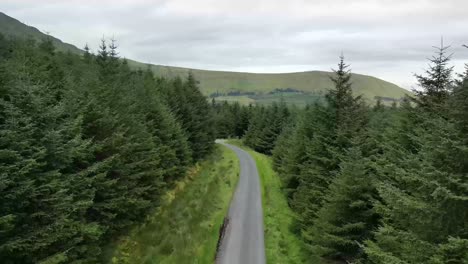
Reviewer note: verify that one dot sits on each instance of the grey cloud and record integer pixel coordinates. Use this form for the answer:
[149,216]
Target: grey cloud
[390,39]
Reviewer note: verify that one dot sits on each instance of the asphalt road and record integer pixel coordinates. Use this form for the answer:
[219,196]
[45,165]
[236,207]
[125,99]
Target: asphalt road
[243,241]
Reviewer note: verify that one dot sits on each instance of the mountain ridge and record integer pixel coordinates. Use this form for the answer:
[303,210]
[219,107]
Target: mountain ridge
[248,87]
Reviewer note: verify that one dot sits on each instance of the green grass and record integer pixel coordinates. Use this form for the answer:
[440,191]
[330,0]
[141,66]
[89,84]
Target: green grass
[185,228]
[282,246]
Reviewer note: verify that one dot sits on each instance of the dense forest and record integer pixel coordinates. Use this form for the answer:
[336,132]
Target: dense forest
[371,184]
[87,148]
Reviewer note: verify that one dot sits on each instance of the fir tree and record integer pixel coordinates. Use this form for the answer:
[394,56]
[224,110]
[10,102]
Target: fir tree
[437,81]
[87,54]
[347,216]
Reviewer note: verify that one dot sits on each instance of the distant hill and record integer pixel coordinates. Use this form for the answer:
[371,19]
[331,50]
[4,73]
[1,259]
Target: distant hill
[12,27]
[304,84]
[298,87]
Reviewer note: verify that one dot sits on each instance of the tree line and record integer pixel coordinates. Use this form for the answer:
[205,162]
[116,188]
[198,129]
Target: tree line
[373,184]
[87,148]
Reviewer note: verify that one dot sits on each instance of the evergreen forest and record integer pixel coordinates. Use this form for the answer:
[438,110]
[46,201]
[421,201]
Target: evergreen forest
[87,148]
[89,145]
[371,184]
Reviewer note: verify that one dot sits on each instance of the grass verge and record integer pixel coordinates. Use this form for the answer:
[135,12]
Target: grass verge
[184,229]
[281,244]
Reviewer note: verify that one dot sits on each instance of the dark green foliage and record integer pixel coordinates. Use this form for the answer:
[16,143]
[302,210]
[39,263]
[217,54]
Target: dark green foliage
[259,125]
[266,125]
[87,147]
[430,185]
[318,142]
[436,83]
[193,112]
[347,216]
[383,186]
[454,251]
[423,184]
[459,104]
[231,120]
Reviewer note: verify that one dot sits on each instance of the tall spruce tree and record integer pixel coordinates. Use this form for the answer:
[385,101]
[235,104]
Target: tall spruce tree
[437,81]
[329,130]
[193,112]
[87,54]
[347,217]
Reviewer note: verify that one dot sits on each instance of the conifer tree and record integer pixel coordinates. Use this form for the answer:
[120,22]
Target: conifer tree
[349,110]
[347,217]
[459,102]
[103,54]
[266,125]
[87,54]
[437,81]
[329,130]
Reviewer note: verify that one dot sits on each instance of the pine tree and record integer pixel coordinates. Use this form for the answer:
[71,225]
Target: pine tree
[87,54]
[349,110]
[347,216]
[328,133]
[199,127]
[437,82]
[103,54]
[113,56]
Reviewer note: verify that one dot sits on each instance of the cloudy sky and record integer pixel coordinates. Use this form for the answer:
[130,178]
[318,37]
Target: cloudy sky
[389,39]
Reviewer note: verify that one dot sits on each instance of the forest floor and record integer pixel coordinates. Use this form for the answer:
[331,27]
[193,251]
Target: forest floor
[185,228]
[282,245]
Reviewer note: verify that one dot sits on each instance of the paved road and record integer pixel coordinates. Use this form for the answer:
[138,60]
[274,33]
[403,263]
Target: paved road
[243,241]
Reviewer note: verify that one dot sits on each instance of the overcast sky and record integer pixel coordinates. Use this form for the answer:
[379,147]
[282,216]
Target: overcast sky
[389,39]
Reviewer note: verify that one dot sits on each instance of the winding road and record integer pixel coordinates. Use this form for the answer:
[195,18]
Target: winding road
[243,241]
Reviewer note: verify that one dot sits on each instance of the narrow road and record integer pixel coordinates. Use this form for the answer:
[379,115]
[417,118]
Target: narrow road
[243,241]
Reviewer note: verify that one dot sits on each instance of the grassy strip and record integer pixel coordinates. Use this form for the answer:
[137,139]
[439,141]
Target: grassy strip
[185,228]
[281,244]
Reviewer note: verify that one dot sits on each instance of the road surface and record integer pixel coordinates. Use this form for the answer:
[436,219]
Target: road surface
[243,241]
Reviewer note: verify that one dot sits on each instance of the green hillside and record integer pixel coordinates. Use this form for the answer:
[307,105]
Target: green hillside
[240,86]
[12,27]
[312,83]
